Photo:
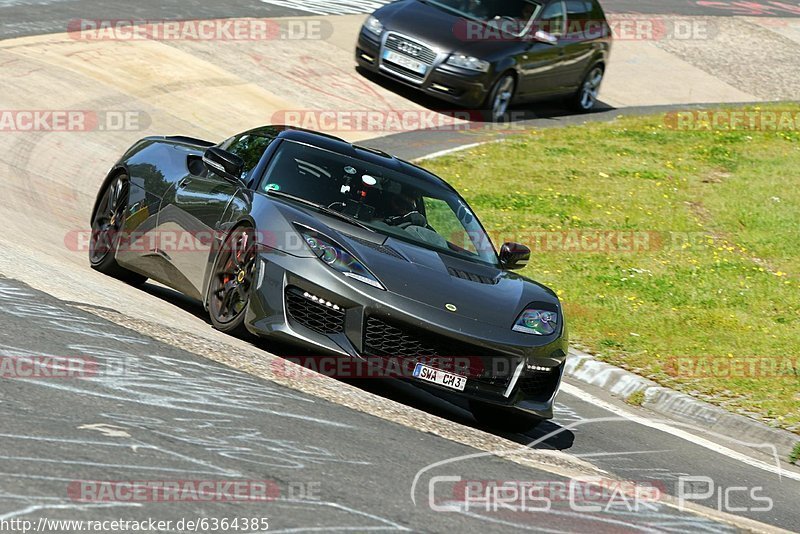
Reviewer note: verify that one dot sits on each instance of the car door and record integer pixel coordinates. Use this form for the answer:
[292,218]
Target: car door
[193,213]
[578,44]
[147,184]
[542,64]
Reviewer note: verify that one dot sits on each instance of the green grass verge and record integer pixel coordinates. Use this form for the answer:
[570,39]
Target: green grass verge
[636,398]
[707,301]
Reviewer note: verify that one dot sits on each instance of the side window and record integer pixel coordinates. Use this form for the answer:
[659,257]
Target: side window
[250,148]
[579,15]
[442,219]
[579,9]
[554,18]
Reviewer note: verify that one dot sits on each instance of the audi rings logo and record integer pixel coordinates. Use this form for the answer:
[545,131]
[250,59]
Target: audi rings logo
[410,49]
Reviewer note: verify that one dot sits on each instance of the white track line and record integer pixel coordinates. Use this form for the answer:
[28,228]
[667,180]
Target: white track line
[569,389]
[453,150]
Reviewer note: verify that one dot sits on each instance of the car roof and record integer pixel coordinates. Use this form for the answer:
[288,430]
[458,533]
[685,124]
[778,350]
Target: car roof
[340,146]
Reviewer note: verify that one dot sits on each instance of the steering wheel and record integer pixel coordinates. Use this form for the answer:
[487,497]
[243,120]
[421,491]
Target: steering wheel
[413,218]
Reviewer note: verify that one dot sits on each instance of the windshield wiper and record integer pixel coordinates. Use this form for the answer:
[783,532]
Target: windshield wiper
[324,209]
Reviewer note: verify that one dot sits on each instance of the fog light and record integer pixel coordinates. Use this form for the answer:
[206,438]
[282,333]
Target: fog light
[321,301]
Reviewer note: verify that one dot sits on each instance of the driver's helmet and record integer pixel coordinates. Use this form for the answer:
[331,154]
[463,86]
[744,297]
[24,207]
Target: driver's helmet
[402,203]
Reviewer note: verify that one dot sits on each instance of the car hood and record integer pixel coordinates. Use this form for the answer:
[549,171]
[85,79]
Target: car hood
[436,27]
[478,291]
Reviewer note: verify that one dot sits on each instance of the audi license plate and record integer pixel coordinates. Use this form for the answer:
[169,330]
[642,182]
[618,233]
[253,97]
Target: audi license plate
[405,62]
[437,376]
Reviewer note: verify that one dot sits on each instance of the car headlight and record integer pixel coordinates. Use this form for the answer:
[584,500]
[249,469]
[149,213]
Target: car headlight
[468,62]
[373,25]
[537,322]
[338,258]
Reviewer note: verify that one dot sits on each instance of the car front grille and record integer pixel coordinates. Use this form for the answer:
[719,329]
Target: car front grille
[540,385]
[398,341]
[315,315]
[412,49]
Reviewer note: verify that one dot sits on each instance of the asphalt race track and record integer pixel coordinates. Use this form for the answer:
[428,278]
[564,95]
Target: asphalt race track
[182,402]
[158,413]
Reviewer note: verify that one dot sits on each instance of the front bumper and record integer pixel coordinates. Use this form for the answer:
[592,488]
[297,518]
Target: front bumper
[370,323]
[462,87]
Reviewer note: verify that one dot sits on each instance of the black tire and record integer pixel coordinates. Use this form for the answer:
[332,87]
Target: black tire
[232,281]
[500,98]
[502,419]
[107,224]
[585,98]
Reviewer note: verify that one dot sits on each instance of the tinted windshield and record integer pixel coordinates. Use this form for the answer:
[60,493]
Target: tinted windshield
[488,10]
[406,207]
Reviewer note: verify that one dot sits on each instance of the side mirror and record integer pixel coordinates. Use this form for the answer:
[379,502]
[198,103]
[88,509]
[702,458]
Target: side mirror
[545,37]
[224,164]
[514,256]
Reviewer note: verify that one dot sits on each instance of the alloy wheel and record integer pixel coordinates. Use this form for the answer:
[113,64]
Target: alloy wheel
[591,89]
[233,278]
[503,94]
[108,220]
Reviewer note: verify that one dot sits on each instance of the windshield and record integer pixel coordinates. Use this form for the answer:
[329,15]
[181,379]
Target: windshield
[406,207]
[489,10]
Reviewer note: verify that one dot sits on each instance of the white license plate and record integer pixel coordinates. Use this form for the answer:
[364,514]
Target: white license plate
[405,61]
[437,376]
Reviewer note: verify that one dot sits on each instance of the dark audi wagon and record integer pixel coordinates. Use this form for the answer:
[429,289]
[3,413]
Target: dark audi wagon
[489,54]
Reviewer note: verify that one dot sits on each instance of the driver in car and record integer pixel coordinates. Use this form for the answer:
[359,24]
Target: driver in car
[403,211]
[400,204]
